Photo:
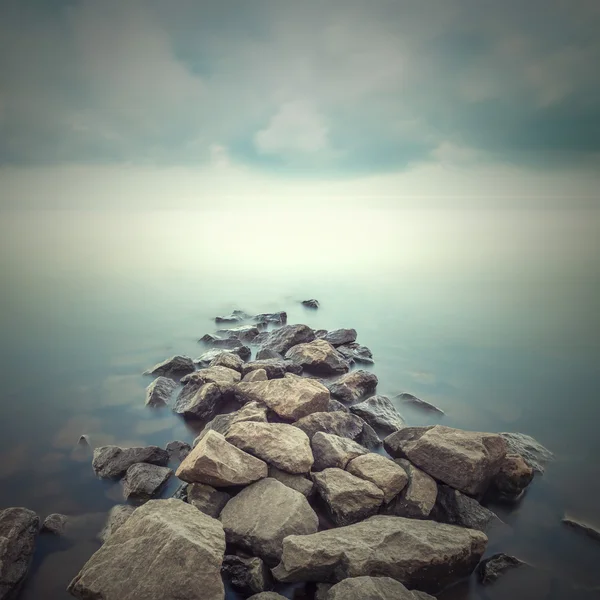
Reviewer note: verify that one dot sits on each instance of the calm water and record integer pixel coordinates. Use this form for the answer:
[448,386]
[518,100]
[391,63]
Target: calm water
[491,315]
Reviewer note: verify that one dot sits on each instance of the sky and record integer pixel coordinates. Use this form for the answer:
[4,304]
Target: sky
[132,103]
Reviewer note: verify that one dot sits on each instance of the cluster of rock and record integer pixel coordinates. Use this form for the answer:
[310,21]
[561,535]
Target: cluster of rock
[309,480]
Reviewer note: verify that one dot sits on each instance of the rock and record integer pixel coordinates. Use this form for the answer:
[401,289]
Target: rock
[257,375]
[244,352]
[334,451]
[422,554]
[338,337]
[263,514]
[353,386]
[247,575]
[464,460]
[206,499]
[111,462]
[267,596]
[18,532]
[222,376]
[418,498]
[143,481]
[178,450]
[176,366]
[221,343]
[357,353]
[322,591]
[285,446]
[512,478]
[281,340]
[267,353]
[337,406]
[199,402]
[229,360]
[490,569]
[369,588]
[339,423]
[244,333]
[278,318]
[55,524]
[589,530]
[533,453]
[275,368]
[74,527]
[235,317]
[318,357]
[300,483]
[379,413]
[261,337]
[216,462]
[166,550]
[291,397]
[417,402]
[389,477]
[159,392]
[116,517]
[312,303]
[252,411]
[84,440]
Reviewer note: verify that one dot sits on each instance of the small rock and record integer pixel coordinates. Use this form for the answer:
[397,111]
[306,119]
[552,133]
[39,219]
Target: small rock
[418,498]
[353,386]
[281,340]
[589,530]
[357,353]
[116,517]
[379,413]
[339,423]
[252,411]
[84,440]
[389,477]
[275,368]
[300,483]
[533,453]
[512,478]
[414,401]
[257,375]
[369,588]
[178,450]
[55,524]
[229,360]
[159,392]
[222,376]
[244,333]
[318,357]
[176,366]
[490,569]
[312,303]
[339,337]
[334,451]
[279,318]
[207,499]
[111,462]
[247,575]
[235,317]
[221,343]
[143,481]
[199,402]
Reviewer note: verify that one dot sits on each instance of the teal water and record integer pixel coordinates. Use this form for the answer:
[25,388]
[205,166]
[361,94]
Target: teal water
[491,315]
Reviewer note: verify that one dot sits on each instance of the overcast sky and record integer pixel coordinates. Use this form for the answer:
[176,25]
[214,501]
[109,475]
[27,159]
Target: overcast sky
[123,99]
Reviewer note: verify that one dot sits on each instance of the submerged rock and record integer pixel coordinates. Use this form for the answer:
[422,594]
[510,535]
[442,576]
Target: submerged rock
[318,357]
[257,375]
[263,514]
[490,569]
[111,462]
[512,478]
[334,451]
[176,366]
[380,413]
[417,499]
[116,517]
[338,337]
[357,353]
[369,588]
[281,340]
[533,453]
[312,303]
[585,528]
[199,402]
[339,423]
[166,550]
[353,386]
[389,477]
[159,392]
[207,499]
[300,483]
[143,481]
[414,401]
[55,524]
[178,450]
[247,575]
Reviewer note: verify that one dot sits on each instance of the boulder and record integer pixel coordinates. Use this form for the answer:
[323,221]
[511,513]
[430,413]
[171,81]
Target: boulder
[257,375]
[585,528]
[334,451]
[159,392]
[176,366]
[338,337]
[312,303]
[275,367]
[285,446]
[166,550]
[263,514]
[111,462]
[369,588]
[533,453]
[352,387]
[206,499]
[348,498]
[418,498]
[143,481]
[464,460]
[222,376]
[267,596]
[279,318]
[261,337]
[357,353]
[318,357]
[116,517]
[379,413]
[229,360]
[55,524]
[267,353]
[216,341]
[418,403]
[420,554]
[252,411]
[337,406]
[290,397]
[389,477]
[339,423]
[490,569]
[281,340]
[247,575]
[244,333]
[244,352]
[178,450]
[199,402]
[18,532]
[512,478]
[235,317]
[300,483]
[216,462]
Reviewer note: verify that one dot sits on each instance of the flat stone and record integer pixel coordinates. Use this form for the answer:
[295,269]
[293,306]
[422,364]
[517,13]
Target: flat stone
[585,528]
[159,392]
[353,386]
[349,498]
[263,514]
[418,403]
[207,499]
[338,337]
[300,483]
[512,478]
[199,402]
[257,375]
[74,527]
[490,569]
[176,366]
[533,453]
[334,451]
[247,575]
[282,339]
[111,462]
[116,517]
[312,303]
[178,450]
[417,499]
[389,477]
[379,413]
[229,360]
[369,588]
[143,481]
[318,357]
[356,353]
[166,550]
[252,411]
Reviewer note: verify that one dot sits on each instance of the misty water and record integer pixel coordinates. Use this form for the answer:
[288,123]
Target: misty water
[490,314]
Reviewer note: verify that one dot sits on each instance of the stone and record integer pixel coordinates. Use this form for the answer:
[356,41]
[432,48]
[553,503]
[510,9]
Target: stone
[247,575]
[235,317]
[222,376]
[278,444]
[261,337]
[116,517]
[159,392]
[337,406]
[111,462]
[418,403]
[276,368]
[176,366]
[166,550]
[207,499]
[379,413]
[252,411]
[290,397]
[279,318]
[244,333]
[229,360]
[585,528]
[220,343]
[257,375]
[55,524]
[533,453]
[18,532]
[216,462]
[420,554]
[338,337]
[312,303]
[322,590]
[339,423]
[490,569]
[417,499]
[281,340]
[389,477]
[244,352]
[199,402]
[357,353]
[178,450]
[300,483]
[267,353]
[267,596]
[369,588]
[512,478]
[74,527]
[334,451]
[464,460]
[318,357]
[263,514]
[353,386]
[143,481]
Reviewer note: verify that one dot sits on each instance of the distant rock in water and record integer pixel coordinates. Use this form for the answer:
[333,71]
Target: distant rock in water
[417,402]
[356,352]
[244,333]
[278,318]
[312,303]
[229,343]
[244,352]
[176,366]
[490,569]
[533,453]
[281,340]
[585,528]
[235,317]
[338,337]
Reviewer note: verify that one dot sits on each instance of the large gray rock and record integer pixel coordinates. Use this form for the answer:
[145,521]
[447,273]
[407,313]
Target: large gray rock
[334,451]
[244,333]
[533,453]
[357,353]
[216,462]
[263,514]
[278,318]
[407,398]
[512,478]
[318,357]
[353,386]
[204,360]
[229,360]
[300,483]
[207,499]
[235,317]
[178,450]
[275,368]
[337,337]
[379,413]
[247,575]
[422,554]
[389,477]
[281,340]
[257,375]
[117,515]
[490,569]
[290,397]
[18,531]
[222,376]
[143,481]
[176,366]
[348,498]
[418,498]
[285,446]
[369,588]
[201,402]
[465,460]
[252,411]
[267,353]
[339,423]
[111,462]
[159,392]
[311,303]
